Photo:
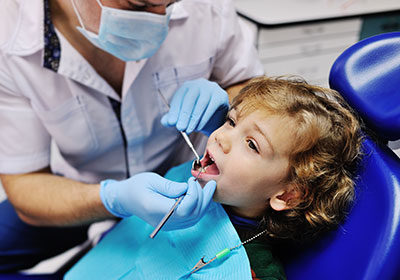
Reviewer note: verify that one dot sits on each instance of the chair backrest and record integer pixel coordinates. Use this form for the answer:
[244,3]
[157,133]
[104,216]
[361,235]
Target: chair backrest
[367,245]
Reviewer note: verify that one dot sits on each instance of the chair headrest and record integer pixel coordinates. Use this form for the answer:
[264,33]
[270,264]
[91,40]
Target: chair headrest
[367,75]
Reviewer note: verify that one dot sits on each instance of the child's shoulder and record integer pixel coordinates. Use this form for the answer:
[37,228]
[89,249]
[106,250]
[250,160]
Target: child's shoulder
[263,263]
[180,173]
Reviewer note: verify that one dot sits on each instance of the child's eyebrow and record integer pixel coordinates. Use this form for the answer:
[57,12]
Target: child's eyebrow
[258,129]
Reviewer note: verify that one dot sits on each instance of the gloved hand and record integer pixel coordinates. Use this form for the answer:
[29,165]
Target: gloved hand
[150,196]
[199,105]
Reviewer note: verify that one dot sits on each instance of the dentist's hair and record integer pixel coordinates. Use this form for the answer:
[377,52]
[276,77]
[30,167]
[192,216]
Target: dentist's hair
[325,154]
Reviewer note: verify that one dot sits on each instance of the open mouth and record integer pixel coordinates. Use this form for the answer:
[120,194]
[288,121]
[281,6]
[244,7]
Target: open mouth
[207,165]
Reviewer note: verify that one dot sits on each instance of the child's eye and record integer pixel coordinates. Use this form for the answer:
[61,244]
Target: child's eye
[251,145]
[230,121]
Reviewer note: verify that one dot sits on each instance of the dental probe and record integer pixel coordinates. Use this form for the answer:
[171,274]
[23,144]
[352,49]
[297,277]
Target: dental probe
[184,135]
[166,217]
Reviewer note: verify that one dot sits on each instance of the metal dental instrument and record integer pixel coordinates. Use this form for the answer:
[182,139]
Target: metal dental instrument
[168,215]
[201,263]
[184,135]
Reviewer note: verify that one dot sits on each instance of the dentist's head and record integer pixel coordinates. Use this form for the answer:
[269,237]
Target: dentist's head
[127,29]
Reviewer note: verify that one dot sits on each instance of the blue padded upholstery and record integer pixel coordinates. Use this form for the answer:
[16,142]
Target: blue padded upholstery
[368,76]
[367,245]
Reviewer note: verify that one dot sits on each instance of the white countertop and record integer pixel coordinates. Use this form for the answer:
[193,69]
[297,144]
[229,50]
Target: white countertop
[272,12]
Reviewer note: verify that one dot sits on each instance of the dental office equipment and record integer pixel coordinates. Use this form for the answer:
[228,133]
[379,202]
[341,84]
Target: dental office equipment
[220,255]
[184,135]
[168,215]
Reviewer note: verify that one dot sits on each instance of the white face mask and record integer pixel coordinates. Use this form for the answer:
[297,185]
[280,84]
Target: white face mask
[128,35]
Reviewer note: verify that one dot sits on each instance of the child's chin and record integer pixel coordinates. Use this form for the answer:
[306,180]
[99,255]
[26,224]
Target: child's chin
[202,182]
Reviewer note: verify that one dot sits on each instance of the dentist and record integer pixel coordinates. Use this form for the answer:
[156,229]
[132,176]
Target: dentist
[85,135]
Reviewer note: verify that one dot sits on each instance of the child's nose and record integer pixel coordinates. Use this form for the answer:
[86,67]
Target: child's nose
[223,141]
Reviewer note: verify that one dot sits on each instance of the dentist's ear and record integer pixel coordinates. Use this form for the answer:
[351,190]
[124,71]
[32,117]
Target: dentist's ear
[284,199]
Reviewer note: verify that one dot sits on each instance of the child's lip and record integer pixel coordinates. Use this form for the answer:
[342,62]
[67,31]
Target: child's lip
[210,155]
[203,175]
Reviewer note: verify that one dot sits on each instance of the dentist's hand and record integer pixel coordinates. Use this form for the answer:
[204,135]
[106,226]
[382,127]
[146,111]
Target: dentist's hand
[199,105]
[150,196]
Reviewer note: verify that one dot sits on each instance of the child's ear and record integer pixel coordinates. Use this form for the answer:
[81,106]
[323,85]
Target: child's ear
[280,201]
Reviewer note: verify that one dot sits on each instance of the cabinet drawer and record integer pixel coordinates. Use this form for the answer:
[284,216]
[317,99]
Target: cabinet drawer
[315,68]
[270,36]
[294,50]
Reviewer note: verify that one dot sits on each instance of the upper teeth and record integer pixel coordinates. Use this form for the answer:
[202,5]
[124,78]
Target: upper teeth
[212,159]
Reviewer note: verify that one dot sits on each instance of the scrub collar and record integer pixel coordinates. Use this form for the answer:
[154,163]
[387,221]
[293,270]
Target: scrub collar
[52,49]
[240,222]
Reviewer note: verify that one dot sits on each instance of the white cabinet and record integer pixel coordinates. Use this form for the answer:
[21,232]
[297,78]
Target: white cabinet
[307,49]
[304,37]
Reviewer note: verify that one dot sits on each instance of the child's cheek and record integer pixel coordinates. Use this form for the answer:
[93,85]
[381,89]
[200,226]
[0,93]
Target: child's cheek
[217,196]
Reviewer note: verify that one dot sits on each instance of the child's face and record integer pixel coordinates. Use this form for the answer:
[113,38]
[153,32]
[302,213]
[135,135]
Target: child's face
[251,156]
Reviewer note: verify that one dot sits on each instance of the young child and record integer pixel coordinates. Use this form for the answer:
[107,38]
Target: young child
[284,163]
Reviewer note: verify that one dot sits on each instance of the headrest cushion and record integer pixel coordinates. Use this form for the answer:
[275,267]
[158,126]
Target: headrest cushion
[368,76]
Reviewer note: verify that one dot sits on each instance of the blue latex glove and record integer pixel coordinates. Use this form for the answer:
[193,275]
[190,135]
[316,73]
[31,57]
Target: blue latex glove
[150,196]
[199,105]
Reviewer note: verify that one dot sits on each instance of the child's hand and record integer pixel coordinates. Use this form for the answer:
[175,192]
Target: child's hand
[199,105]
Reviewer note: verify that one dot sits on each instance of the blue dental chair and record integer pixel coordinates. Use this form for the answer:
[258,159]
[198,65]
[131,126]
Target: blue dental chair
[367,245]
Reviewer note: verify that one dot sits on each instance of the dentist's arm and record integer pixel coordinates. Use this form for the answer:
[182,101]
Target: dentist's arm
[44,199]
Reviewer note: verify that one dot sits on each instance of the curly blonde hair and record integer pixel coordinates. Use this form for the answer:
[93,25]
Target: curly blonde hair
[325,154]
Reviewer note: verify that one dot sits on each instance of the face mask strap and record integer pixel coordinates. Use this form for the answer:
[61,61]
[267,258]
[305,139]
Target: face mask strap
[78,14]
[169,10]
[98,2]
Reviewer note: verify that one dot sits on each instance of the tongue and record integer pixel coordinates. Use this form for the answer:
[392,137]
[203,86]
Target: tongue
[212,169]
